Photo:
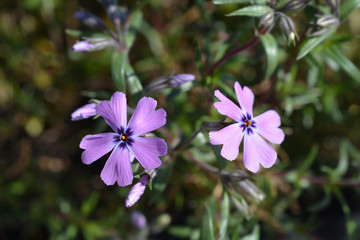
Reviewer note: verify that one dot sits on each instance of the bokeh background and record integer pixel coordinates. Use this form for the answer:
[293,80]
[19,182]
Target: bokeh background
[47,193]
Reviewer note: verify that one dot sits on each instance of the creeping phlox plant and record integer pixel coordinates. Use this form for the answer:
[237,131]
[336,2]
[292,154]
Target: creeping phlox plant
[153,137]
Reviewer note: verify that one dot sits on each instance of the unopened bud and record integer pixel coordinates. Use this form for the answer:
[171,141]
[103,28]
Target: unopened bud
[90,20]
[268,19]
[328,21]
[82,46]
[113,11]
[94,44]
[138,219]
[287,26]
[324,24]
[84,112]
[181,79]
[137,191]
[295,5]
[168,82]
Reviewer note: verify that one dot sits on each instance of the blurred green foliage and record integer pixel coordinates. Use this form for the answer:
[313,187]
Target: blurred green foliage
[47,193]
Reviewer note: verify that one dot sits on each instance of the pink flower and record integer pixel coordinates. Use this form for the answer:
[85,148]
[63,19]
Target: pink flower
[253,129]
[126,142]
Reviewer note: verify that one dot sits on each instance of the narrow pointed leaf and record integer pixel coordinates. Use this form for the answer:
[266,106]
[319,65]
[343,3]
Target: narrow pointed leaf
[207,227]
[133,82]
[271,50]
[133,29]
[347,7]
[225,212]
[118,62]
[254,11]
[311,43]
[345,64]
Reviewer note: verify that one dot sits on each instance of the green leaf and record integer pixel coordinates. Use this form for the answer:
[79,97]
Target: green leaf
[133,28]
[134,84]
[118,63]
[225,212]
[309,159]
[347,7]
[207,227]
[254,235]
[89,205]
[347,65]
[254,11]
[238,1]
[153,37]
[311,43]
[84,34]
[271,50]
[222,162]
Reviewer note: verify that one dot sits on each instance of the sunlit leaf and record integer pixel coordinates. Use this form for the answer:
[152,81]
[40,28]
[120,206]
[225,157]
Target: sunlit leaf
[311,43]
[85,34]
[118,63]
[134,84]
[225,212]
[253,11]
[271,50]
[207,226]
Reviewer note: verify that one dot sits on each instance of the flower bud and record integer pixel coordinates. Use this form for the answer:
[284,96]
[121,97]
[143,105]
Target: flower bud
[287,26]
[328,21]
[138,219]
[268,19]
[324,24]
[169,81]
[95,44]
[90,20]
[137,191]
[181,79]
[295,5]
[82,46]
[86,111]
[113,11]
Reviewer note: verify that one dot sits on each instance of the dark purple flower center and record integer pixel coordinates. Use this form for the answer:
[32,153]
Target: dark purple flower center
[248,124]
[124,137]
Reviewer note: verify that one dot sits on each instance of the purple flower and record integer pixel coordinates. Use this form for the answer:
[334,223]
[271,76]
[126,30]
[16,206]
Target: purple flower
[84,112]
[256,149]
[82,46]
[137,191]
[181,79]
[138,219]
[126,142]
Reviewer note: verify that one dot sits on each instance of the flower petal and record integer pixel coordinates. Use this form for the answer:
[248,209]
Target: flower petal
[118,168]
[145,118]
[114,112]
[96,146]
[148,150]
[245,97]
[267,126]
[84,112]
[257,150]
[227,107]
[230,137]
